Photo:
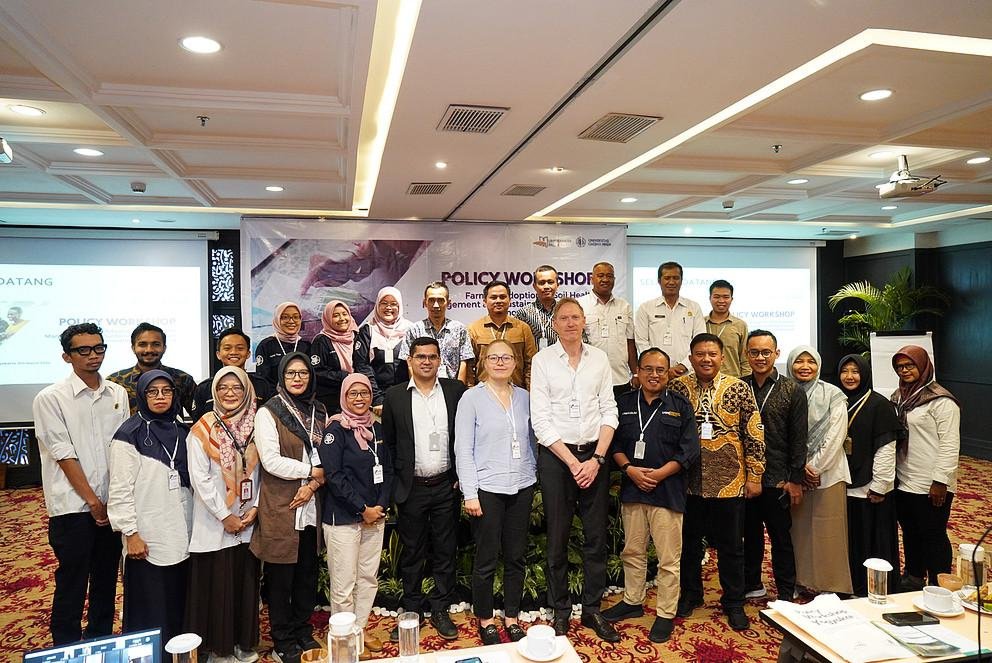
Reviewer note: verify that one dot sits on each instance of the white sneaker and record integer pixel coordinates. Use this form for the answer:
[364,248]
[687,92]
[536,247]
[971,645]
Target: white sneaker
[759,593]
[249,656]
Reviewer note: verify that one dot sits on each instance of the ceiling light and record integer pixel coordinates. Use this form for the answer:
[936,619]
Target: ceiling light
[201,45]
[978,160]
[30,111]
[883,154]
[798,180]
[88,152]
[687,230]
[890,207]
[876,95]
[628,199]
[441,165]
[852,236]
[556,169]
[274,189]
[135,220]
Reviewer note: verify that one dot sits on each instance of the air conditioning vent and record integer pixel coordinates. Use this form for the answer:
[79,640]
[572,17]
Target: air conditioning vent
[618,127]
[524,190]
[466,119]
[427,188]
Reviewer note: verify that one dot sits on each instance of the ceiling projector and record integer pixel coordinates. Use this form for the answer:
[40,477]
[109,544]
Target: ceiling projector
[903,184]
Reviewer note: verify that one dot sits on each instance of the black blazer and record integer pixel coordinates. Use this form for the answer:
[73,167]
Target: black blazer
[397,430]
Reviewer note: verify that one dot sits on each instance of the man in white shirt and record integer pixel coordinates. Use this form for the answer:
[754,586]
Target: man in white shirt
[75,421]
[610,327]
[574,416]
[669,322]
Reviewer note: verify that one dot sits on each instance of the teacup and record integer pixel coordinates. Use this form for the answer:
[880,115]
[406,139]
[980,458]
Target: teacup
[938,599]
[540,640]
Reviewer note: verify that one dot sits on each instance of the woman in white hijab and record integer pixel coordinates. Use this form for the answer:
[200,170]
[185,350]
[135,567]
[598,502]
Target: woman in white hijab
[382,333]
[819,523]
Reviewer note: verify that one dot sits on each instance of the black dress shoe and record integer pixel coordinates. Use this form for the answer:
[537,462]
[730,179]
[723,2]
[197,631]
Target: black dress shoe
[661,630]
[560,624]
[623,610]
[489,635]
[737,619]
[601,627]
[445,627]
[686,607]
[515,632]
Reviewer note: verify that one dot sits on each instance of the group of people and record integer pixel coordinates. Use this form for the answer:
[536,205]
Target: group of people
[312,450]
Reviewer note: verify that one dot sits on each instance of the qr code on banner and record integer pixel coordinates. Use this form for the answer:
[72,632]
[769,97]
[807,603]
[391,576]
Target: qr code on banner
[14,446]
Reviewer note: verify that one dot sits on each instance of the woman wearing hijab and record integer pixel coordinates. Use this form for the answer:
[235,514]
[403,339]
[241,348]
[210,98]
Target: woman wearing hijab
[288,430]
[222,603]
[287,321]
[382,334]
[359,475]
[151,504]
[870,447]
[926,465]
[336,352]
[819,523]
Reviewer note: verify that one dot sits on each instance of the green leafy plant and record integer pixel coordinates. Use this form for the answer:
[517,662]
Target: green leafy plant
[889,308]
[391,587]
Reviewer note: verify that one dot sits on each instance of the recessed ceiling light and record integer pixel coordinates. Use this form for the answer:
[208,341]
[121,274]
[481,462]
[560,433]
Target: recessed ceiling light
[30,111]
[687,230]
[274,189]
[199,44]
[441,165]
[883,154]
[852,236]
[978,160]
[556,169]
[88,152]
[798,180]
[890,207]
[628,199]
[875,95]
[135,220]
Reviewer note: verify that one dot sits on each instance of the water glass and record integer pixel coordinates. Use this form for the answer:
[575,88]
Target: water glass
[409,630]
[878,580]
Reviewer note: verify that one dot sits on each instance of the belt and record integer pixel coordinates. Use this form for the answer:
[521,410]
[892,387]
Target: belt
[435,480]
[582,446]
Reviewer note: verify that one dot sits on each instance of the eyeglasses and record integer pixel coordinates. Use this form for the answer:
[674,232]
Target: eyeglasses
[760,353]
[651,370]
[85,350]
[430,358]
[289,318]
[155,393]
[500,359]
[296,375]
[230,389]
[905,367]
[388,305]
[364,393]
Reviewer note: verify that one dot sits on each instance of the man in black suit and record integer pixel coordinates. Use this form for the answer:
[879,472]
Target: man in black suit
[418,422]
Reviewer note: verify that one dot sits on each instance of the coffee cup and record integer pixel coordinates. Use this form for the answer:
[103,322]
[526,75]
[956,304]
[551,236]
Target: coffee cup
[540,640]
[938,599]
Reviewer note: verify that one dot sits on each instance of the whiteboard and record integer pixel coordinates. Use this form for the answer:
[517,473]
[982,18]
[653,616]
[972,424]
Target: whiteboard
[883,348]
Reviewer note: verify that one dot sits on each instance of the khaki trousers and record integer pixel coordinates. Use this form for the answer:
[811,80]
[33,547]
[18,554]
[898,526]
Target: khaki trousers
[353,553]
[664,526]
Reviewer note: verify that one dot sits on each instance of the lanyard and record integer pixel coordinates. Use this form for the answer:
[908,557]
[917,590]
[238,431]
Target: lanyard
[761,408]
[307,443]
[502,333]
[508,412]
[281,347]
[237,447]
[431,409]
[644,426]
[175,447]
[714,386]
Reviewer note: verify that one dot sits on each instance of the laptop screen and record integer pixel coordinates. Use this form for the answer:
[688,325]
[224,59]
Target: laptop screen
[138,647]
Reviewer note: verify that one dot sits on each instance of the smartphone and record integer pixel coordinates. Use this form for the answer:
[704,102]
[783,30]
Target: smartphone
[474,659]
[909,619]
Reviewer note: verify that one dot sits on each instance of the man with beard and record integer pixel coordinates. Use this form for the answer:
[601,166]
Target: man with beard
[499,324]
[148,345]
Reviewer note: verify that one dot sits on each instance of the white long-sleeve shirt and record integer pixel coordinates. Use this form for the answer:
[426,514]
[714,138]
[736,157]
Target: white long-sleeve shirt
[934,445]
[671,329]
[267,442]
[830,460]
[883,473]
[73,421]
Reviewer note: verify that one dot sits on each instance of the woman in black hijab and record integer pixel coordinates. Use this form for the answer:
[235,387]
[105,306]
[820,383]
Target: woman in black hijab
[872,429]
[151,504]
[288,430]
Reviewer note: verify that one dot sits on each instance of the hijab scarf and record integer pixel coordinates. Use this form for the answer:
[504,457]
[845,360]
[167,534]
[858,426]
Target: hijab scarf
[360,425]
[820,396]
[155,435]
[911,395]
[874,426]
[343,342]
[387,336]
[302,414]
[280,331]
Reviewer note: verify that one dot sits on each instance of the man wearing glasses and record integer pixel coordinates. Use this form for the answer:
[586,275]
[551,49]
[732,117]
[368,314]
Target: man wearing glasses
[75,420]
[418,425]
[148,345]
[783,408]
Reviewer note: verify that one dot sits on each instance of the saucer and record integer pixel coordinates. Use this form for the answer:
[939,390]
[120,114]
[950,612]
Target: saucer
[958,610]
[522,650]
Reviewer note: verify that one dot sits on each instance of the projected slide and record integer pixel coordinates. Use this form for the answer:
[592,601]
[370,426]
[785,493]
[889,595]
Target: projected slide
[38,301]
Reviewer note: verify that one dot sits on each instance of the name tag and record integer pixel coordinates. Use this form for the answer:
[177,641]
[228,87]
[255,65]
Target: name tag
[639,449]
[604,331]
[247,490]
[667,338]
[515,449]
[542,343]
[573,409]
[434,441]
[706,430]
[377,476]
[173,480]
[388,352]
[442,371]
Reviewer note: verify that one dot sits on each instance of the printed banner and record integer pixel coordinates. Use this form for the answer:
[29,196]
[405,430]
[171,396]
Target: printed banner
[313,262]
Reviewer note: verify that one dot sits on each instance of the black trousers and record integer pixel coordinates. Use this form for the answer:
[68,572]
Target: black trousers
[89,556]
[721,521]
[872,532]
[155,597]
[502,527]
[293,593]
[766,512]
[426,523]
[562,497]
[924,535]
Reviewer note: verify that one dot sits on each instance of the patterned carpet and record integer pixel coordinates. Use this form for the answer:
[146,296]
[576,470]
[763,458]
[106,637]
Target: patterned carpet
[27,564]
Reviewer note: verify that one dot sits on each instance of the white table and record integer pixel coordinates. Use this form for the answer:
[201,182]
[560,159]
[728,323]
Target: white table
[510,648]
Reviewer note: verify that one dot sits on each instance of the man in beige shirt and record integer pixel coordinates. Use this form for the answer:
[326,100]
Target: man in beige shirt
[728,328]
[498,324]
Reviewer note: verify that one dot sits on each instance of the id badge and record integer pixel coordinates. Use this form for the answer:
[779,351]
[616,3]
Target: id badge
[435,441]
[377,476]
[542,343]
[388,352]
[706,430]
[604,331]
[639,448]
[247,490]
[173,480]
[442,371]
[667,338]
[515,450]
[573,409]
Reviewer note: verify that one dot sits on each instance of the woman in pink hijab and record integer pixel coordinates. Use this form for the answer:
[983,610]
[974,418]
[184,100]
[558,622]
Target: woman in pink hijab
[337,352]
[287,321]
[382,333]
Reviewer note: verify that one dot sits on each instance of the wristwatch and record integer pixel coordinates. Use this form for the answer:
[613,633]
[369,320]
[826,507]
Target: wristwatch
[624,467]
[600,459]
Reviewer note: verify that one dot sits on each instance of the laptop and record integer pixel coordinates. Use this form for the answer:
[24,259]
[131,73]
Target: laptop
[138,647]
